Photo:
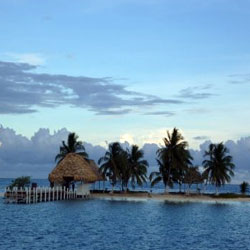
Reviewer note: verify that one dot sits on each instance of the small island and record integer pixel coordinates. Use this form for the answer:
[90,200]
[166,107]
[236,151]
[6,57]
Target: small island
[75,173]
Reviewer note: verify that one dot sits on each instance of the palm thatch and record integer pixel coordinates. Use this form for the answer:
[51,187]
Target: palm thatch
[96,170]
[76,168]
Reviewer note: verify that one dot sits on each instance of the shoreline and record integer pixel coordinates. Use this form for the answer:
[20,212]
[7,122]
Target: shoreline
[171,197]
[167,197]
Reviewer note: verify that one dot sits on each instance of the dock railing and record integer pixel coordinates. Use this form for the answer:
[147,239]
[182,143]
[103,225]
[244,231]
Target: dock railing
[39,194]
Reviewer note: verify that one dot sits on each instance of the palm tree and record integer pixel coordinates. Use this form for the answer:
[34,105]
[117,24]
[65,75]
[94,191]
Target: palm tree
[111,163]
[162,174]
[72,146]
[219,166]
[136,169]
[173,158]
[244,187]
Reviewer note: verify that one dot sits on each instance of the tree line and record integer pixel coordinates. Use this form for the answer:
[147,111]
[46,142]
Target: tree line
[173,159]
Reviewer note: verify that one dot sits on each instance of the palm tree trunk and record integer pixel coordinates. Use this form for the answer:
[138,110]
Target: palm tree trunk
[217,191]
[166,189]
[168,180]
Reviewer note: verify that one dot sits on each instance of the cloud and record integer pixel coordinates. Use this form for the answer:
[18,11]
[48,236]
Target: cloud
[198,92]
[35,59]
[22,91]
[239,78]
[163,113]
[240,150]
[36,156]
[201,138]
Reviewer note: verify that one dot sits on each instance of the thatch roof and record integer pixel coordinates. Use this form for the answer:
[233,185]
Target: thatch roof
[96,169]
[76,167]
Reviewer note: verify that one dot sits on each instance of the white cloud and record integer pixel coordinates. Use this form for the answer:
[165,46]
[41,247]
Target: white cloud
[35,59]
[127,138]
[36,156]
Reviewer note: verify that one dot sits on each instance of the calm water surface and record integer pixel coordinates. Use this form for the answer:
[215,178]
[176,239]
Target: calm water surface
[103,224]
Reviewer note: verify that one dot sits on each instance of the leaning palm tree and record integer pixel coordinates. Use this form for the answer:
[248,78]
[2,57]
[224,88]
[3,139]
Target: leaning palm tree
[111,163]
[72,146]
[136,169]
[174,156]
[219,166]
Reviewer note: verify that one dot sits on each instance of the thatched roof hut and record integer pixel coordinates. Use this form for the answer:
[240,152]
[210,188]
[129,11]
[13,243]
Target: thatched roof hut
[75,168]
[96,169]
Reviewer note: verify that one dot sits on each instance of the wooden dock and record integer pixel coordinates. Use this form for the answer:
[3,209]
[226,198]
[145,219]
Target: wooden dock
[40,194]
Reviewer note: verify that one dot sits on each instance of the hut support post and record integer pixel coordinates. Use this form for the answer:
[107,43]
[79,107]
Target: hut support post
[36,194]
[41,195]
[49,194]
[64,192]
[60,193]
[30,195]
[45,194]
[27,197]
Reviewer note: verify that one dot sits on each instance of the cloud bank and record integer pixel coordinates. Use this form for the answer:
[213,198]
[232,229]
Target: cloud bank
[35,156]
[24,91]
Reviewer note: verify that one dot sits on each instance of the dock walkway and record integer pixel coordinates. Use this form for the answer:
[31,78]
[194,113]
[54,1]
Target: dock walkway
[40,194]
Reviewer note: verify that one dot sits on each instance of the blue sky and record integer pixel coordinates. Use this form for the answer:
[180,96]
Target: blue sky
[141,67]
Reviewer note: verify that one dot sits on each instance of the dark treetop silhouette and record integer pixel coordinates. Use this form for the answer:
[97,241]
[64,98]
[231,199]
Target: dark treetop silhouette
[72,146]
[219,166]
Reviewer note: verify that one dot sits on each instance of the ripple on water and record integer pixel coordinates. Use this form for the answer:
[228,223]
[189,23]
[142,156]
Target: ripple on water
[106,224]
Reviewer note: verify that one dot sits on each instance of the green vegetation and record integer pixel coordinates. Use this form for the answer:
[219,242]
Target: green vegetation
[192,176]
[173,159]
[72,146]
[127,166]
[124,165]
[229,196]
[244,187]
[219,166]
[20,182]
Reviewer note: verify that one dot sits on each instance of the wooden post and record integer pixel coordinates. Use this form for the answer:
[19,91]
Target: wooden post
[53,194]
[36,194]
[41,195]
[27,197]
[45,194]
[49,193]
[60,193]
[57,198]
[64,190]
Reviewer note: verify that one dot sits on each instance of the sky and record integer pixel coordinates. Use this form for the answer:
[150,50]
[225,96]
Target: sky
[126,70]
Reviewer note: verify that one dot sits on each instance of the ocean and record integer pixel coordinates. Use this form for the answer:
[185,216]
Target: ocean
[113,224]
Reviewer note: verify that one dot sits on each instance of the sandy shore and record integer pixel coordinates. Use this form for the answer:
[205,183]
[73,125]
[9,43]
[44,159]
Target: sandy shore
[168,197]
[164,197]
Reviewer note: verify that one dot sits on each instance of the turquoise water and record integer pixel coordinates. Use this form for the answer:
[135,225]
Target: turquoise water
[103,224]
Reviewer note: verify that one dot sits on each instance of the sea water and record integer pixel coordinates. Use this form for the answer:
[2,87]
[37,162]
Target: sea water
[128,224]
[105,224]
